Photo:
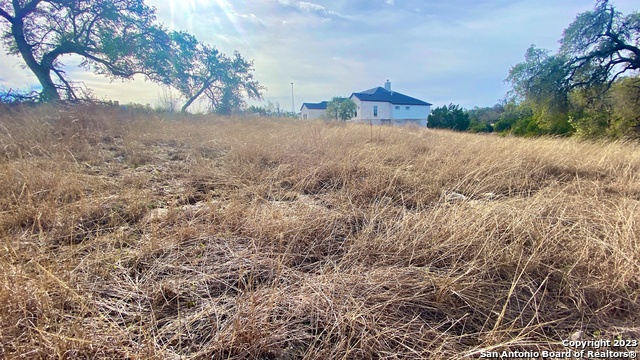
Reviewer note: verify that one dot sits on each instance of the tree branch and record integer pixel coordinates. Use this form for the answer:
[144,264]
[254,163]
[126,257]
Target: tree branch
[71,95]
[6,15]
[51,56]
[29,7]
[205,85]
[114,70]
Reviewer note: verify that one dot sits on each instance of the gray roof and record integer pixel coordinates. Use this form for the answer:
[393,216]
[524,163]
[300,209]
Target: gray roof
[384,95]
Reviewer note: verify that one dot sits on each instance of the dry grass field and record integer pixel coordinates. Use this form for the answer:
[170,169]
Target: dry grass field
[138,237]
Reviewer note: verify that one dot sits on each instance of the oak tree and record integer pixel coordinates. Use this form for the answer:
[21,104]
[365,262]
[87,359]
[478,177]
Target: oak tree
[200,72]
[107,35]
[600,45]
[341,108]
[449,117]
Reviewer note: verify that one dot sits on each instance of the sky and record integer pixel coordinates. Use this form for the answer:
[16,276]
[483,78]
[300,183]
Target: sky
[453,51]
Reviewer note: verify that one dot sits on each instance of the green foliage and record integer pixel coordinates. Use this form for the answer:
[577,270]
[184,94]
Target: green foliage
[341,108]
[257,110]
[525,119]
[551,123]
[487,114]
[480,127]
[526,126]
[579,90]
[504,125]
[615,114]
[540,81]
[626,106]
[449,117]
[483,119]
[513,112]
[591,114]
[199,71]
[270,110]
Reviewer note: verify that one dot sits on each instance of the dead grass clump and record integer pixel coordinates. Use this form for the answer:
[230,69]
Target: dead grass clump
[136,236]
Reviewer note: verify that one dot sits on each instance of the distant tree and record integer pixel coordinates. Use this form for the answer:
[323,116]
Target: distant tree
[513,113]
[482,119]
[541,77]
[199,71]
[107,35]
[592,111]
[449,117]
[257,110]
[626,108]
[487,114]
[479,127]
[268,110]
[167,101]
[614,113]
[541,82]
[341,108]
[270,107]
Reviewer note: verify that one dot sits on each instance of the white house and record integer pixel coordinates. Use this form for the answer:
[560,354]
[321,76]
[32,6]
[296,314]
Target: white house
[310,111]
[384,106]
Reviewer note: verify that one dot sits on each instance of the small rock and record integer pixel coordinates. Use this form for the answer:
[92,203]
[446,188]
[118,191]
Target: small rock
[576,336]
[454,197]
[157,214]
[195,207]
[489,196]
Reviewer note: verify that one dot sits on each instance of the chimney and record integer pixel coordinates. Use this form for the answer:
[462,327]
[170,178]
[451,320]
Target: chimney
[387,85]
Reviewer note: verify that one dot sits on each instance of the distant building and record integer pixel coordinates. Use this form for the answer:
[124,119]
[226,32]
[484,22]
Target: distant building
[310,111]
[385,106]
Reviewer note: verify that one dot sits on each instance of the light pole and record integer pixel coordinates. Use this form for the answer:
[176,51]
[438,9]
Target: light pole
[293,108]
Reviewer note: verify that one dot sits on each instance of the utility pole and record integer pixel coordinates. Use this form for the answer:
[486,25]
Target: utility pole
[293,107]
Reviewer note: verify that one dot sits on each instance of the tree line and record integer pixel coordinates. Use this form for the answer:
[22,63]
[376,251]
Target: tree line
[590,87]
[120,39]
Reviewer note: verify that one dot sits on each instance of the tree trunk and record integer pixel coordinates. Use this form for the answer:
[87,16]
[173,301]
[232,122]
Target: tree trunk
[49,91]
[188,103]
[193,98]
[43,73]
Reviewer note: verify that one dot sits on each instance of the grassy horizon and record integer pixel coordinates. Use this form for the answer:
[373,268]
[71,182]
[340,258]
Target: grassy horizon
[136,236]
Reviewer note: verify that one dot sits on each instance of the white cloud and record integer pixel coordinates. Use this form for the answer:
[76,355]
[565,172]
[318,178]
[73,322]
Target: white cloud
[308,6]
[390,2]
[14,73]
[312,8]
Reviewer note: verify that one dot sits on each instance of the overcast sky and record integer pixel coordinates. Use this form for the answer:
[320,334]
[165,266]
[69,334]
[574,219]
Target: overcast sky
[452,51]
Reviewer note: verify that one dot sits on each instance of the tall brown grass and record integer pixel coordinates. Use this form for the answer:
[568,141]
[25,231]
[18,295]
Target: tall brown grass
[136,236]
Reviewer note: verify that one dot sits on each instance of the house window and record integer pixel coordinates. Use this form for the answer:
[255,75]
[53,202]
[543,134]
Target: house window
[375,110]
[304,116]
[407,108]
[397,107]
